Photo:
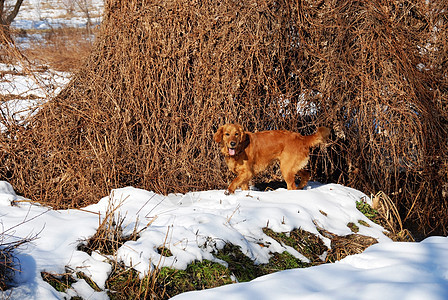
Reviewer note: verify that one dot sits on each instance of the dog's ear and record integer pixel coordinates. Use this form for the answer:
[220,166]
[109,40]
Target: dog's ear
[218,135]
[241,133]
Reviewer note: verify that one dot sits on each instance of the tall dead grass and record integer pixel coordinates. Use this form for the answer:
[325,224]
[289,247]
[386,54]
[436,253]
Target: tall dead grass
[163,75]
[63,49]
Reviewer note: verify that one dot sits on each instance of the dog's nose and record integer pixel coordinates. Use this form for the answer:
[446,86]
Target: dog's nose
[232,144]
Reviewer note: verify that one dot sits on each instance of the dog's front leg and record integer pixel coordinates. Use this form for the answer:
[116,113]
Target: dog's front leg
[242,181]
[233,186]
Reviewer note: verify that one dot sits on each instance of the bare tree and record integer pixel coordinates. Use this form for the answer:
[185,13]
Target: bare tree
[84,6]
[8,12]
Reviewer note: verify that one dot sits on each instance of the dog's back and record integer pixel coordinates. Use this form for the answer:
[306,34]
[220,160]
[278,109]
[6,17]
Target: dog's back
[273,142]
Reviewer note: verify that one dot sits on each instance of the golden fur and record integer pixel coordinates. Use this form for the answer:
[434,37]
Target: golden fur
[248,153]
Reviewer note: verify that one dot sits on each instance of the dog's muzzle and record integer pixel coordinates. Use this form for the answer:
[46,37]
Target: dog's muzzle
[232,148]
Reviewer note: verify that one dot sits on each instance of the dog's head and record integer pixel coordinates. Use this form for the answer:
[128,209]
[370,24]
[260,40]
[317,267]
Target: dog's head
[232,137]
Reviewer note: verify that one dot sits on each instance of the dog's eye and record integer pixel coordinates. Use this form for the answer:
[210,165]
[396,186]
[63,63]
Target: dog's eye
[227,133]
[236,134]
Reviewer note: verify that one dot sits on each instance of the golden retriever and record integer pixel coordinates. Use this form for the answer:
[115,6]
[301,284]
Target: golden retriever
[248,153]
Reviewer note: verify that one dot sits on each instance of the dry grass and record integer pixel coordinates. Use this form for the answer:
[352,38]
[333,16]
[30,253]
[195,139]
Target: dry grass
[123,282]
[109,236]
[392,218]
[163,75]
[343,246]
[9,264]
[7,269]
[62,49]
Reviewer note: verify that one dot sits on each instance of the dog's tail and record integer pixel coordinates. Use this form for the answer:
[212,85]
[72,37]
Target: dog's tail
[319,137]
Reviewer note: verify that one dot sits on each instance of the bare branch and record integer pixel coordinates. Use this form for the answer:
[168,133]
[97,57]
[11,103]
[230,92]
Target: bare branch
[14,12]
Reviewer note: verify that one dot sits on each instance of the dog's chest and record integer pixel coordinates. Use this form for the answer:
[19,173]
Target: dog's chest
[235,165]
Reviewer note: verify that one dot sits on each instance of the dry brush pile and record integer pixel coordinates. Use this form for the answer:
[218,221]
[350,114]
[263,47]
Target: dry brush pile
[163,75]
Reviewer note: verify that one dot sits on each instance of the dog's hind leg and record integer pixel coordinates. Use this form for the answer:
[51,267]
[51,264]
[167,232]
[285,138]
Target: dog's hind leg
[289,174]
[304,178]
[290,166]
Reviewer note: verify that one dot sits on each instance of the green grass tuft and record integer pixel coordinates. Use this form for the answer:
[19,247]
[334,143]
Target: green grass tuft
[353,227]
[308,244]
[368,211]
[197,276]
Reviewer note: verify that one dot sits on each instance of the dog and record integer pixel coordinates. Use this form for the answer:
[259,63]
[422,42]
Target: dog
[247,153]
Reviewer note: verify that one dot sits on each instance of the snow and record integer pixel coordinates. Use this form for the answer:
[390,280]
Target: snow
[16,81]
[51,14]
[383,271]
[27,92]
[195,224]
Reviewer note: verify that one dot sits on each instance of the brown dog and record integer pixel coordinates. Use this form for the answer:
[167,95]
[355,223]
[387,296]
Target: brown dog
[248,153]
